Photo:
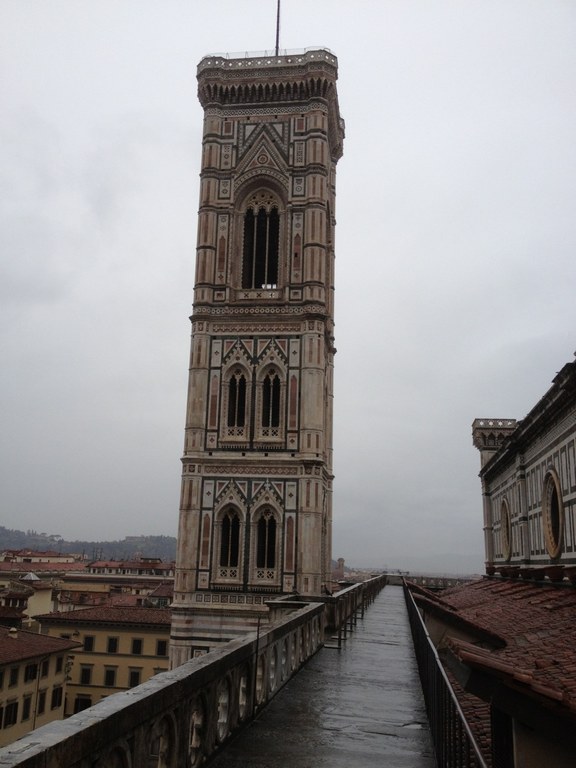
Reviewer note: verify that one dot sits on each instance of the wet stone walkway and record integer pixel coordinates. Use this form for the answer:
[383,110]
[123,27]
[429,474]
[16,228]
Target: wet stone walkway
[359,707]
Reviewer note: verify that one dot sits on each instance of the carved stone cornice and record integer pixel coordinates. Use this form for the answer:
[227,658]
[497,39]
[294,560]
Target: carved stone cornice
[288,83]
[248,328]
[309,309]
[291,63]
[261,470]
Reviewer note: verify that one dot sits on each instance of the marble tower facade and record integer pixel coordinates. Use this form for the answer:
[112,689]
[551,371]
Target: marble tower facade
[256,501]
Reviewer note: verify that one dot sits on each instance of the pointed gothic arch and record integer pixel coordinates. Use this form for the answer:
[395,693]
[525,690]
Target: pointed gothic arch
[236,402]
[270,408]
[228,545]
[265,550]
[230,539]
[270,411]
[260,220]
[236,406]
[266,538]
[261,241]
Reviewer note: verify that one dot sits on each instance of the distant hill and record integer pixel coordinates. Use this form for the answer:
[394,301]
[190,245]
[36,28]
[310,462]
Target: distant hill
[163,547]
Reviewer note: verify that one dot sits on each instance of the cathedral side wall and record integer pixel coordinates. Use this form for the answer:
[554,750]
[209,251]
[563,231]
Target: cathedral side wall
[536,487]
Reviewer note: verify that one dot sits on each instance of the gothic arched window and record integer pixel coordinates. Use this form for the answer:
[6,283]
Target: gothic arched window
[261,243]
[237,400]
[266,541]
[271,400]
[230,540]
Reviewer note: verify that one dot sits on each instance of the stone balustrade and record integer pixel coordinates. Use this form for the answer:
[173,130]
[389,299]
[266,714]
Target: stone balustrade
[343,608]
[181,718]
[429,582]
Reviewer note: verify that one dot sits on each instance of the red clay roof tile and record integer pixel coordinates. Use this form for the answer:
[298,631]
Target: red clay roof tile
[538,624]
[22,645]
[106,614]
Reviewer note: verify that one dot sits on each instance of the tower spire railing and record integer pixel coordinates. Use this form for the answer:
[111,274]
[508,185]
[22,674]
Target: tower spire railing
[257,59]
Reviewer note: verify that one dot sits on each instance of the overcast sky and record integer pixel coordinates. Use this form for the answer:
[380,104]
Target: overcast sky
[455,253]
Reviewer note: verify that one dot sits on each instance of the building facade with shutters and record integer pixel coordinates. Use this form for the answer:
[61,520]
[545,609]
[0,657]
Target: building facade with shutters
[256,501]
[119,647]
[33,675]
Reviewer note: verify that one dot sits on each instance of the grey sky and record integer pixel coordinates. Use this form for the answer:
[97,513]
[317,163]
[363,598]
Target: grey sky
[455,252]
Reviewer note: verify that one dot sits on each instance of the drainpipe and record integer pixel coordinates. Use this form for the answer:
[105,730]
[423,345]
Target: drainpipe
[37,691]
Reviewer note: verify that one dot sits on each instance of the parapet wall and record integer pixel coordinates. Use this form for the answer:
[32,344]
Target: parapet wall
[183,717]
[179,717]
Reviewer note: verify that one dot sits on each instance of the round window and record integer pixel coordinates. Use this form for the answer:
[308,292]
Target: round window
[506,530]
[552,514]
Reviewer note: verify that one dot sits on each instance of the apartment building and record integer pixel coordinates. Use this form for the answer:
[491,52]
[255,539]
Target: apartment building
[121,647]
[33,672]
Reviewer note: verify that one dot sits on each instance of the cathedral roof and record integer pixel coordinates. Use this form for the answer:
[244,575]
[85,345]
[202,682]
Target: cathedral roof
[534,623]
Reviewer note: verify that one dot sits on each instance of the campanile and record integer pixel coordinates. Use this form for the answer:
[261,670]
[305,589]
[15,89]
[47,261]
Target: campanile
[256,501]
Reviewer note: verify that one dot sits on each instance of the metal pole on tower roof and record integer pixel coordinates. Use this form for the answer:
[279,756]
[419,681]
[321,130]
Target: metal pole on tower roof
[277,26]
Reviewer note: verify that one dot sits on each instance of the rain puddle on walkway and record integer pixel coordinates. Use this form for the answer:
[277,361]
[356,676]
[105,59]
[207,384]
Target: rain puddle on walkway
[359,707]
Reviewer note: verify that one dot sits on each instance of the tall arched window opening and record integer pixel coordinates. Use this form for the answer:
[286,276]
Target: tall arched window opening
[230,540]
[261,241]
[237,400]
[266,541]
[271,400]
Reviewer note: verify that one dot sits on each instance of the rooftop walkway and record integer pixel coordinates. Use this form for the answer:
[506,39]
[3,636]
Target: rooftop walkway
[358,707]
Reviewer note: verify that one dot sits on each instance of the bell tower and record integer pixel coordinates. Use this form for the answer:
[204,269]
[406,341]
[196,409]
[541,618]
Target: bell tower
[256,501]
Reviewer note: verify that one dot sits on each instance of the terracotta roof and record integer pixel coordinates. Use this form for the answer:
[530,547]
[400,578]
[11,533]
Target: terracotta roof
[126,600]
[109,614]
[477,714]
[18,593]
[9,612]
[166,589]
[105,563]
[417,589]
[455,619]
[21,645]
[537,623]
[41,566]
[34,552]
[150,564]
[24,588]
[81,597]
[40,586]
